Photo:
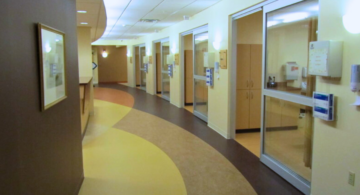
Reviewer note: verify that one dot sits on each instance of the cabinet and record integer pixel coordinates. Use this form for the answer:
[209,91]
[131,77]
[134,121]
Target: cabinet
[248,84]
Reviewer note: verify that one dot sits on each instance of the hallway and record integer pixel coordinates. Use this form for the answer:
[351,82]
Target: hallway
[141,144]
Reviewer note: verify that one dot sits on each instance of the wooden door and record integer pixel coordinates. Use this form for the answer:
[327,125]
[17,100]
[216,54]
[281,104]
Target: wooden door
[158,73]
[242,109]
[255,109]
[256,66]
[189,76]
[137,69]
[243,66]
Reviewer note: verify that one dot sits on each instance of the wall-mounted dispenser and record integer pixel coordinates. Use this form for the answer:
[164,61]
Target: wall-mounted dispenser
[355,78]
[170,70]
[169,59]
[325,58]
[210,77]
[291,71]
[209,60]
[323,107]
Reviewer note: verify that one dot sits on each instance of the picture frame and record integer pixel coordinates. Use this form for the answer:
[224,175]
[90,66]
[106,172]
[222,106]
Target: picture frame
[52,55]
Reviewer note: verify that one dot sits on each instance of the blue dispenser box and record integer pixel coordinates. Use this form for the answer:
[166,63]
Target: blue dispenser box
[323,107]
[209,77]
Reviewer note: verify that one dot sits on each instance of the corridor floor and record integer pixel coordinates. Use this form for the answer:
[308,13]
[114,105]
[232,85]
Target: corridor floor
[137,143]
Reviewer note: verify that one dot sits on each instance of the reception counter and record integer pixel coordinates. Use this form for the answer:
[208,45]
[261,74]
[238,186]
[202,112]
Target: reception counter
[86,101]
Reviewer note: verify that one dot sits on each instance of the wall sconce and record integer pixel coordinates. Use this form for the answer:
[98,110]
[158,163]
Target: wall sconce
[216,45]
[351,18]
[104,54]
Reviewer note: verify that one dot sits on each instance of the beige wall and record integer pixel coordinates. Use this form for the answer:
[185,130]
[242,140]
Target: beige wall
[114,67]
[84,50]
[250,29]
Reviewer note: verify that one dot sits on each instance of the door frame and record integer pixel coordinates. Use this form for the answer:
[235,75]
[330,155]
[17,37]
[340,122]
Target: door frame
[289,175]
[167,39]
[182,60]
[134,62]
[196,32]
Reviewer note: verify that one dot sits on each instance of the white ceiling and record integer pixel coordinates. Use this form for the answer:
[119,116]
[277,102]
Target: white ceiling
[129,13]
[95,16]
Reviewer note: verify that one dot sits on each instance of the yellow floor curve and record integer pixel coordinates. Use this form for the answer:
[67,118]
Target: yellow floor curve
[118,162]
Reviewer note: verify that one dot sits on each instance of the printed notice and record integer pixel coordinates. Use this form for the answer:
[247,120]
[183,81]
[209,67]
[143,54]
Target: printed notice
[318,59]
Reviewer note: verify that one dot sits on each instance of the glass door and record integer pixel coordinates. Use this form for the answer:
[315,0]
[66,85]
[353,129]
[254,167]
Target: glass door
[200,41]
[287,128]
[142,53]
[165,78]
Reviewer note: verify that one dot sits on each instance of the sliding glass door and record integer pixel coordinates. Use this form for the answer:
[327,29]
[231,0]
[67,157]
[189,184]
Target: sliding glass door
[165,78]
[200,99]
[287,128]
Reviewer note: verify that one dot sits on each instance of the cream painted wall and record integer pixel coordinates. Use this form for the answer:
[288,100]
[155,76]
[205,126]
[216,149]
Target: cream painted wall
[336,144]
[84,50]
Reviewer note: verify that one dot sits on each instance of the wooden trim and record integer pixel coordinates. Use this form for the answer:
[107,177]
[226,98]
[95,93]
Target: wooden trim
[281,128]
[247,130]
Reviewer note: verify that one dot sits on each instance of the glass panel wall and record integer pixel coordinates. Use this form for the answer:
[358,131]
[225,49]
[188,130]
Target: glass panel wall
[288,135]
[289,31]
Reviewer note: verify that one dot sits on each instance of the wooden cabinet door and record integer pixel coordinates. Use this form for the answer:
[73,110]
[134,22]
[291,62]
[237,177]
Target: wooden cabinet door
[243,66]
[189,76]
[290,114]
[255,109]
[256,66]
[242,109]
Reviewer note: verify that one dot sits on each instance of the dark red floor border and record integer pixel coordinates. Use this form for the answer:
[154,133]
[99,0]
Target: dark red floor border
[262,179]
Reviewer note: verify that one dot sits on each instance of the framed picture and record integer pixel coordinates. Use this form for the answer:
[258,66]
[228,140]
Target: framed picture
[52,66]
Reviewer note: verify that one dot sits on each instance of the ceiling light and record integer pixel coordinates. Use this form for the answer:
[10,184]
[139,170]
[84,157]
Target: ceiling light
[202,38]
[314,8]
[156,30]
[123,25]
[272,23]
[104,54]
[81,11]
[292,17]
[150,20]
[186,17]
[84,23]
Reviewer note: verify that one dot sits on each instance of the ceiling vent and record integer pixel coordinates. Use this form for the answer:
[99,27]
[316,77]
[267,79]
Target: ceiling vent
[149,20]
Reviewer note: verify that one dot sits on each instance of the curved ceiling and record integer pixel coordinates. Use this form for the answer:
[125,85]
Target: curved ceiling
[95,16]
[123,16]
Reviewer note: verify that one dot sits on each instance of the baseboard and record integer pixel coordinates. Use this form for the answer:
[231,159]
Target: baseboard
[137,85]
[177,105]
[77,191]
[218,130]
[281,128]
[113,82]
[247,130]
[158,92]
[189,104]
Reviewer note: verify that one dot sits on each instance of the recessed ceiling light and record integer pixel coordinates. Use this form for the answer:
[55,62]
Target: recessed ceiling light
[150,20]
[84,23]
[82,11]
